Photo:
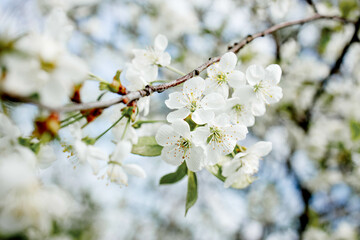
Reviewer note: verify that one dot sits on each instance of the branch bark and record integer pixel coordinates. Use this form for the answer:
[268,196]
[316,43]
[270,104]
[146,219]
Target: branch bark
[148,90]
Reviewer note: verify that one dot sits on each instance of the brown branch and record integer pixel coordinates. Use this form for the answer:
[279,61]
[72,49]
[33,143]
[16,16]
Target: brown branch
[148,90]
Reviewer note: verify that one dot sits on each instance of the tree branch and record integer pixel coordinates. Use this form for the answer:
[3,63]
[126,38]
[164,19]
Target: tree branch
[148,90]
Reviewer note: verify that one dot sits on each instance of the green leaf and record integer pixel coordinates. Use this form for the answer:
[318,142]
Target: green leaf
[147,146]
[355,130]
[191,195]
[347,6]
[175,176]
[324,39]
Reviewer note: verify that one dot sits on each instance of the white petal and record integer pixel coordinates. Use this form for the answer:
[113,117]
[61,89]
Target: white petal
[258,108]
[172,155]
[200,135]
[228,62]
[182,128]
[254,74]
[117,174]
[212,101]
[273,73]
[230,167]
[222,120]
[194,87]
[236,132]
[195,160]
[213,156]
[274,95]
[166,136]
[213,71]
[121,151]
[236,79]
[135,170]
[164,59]
[202,116]
[261,148]
[176,100]
[245,93]
[179,114]
[160,43]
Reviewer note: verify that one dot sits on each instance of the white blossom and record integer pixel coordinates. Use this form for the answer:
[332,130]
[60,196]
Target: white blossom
[117,170]
[153,56]
[264,84]
[87,153]
[179,146]
[239,171]
[219,137]
[239,107]
[192,101]
[223,74]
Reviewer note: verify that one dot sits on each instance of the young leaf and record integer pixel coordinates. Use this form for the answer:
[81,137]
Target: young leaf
[355,130]
[191,195]
[147,146]
[175,176]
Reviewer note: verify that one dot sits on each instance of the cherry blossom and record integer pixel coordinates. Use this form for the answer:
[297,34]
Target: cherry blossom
[219,137]
[223,74]
[179,146]
[192,101]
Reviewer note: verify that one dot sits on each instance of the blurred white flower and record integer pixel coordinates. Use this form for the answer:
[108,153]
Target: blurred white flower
[153,56]
[86,153]
[191,101]
[117,170]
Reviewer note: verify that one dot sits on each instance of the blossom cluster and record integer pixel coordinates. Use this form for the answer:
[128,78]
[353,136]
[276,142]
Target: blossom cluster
[208,122]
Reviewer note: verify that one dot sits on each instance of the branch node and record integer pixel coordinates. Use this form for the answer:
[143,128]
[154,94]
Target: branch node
[196,72]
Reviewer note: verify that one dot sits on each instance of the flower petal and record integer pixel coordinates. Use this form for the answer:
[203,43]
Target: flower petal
[160,43]
[236,79]
[228,62]
[166,136]
[245,93]
[230,167]
[212,101]
[261,148]
[258,108]
[172,155]
[176,100]
[273,73]
[202,116]
[182,128]
[194,87]
[164,59]
[254,74]
[179,114]
[121,151]
[200,135]
[195,160]
[134,169]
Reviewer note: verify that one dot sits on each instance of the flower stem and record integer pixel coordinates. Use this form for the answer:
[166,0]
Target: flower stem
[97,78]
[175,70]
[68,118]
[102,134]
[71,122]
[126,127]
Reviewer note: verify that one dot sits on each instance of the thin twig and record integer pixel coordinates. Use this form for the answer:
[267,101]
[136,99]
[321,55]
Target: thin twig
[148,90]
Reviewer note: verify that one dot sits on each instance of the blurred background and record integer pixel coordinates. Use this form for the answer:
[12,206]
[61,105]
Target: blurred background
[307,188]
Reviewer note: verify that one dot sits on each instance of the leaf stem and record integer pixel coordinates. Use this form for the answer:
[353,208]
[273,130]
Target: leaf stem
[113,125]
[175,70]
[71,122]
